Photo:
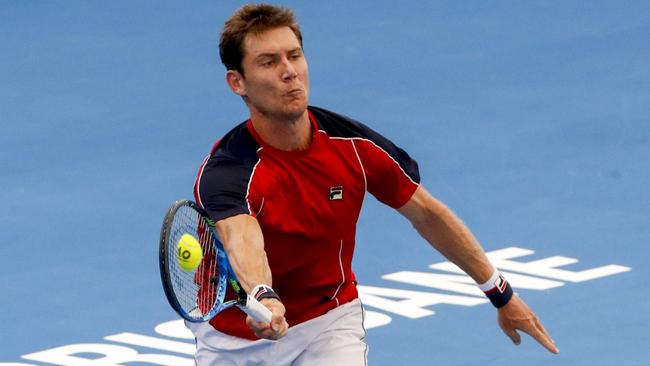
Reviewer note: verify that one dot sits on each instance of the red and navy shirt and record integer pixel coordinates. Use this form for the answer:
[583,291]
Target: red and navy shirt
[307,203]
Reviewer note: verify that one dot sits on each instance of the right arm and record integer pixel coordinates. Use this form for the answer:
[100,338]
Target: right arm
[242,238]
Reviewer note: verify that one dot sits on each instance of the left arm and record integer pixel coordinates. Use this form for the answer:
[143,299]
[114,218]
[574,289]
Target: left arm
[436,223]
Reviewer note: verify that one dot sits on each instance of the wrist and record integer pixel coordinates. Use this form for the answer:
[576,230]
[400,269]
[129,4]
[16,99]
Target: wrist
[497,289]
[262,291]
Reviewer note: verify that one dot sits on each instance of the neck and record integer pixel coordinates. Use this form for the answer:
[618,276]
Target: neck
[287,134]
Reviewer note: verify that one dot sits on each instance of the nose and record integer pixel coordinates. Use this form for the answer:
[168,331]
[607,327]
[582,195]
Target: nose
[289,73]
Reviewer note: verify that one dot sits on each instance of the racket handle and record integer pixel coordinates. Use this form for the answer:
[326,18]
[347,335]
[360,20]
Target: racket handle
[256,310]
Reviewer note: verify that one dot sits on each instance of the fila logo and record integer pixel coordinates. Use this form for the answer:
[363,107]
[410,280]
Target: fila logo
[500,284]
[260,292]
[336,193]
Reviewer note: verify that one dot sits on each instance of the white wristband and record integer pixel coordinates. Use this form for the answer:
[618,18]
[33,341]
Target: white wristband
[489,284]
[263,291]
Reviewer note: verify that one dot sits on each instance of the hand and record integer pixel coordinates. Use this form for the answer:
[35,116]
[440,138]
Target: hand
[517,315]
[278,326]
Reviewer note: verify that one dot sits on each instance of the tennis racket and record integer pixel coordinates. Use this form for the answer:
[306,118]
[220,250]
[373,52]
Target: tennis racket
[198,294]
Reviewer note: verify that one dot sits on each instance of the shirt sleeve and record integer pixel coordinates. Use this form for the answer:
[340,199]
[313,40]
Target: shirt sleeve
[392,176]
[221,187]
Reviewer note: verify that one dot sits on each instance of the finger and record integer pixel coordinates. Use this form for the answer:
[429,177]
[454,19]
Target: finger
[266,334]
[543,330]
[545,340]
[539,334]
[285,328]
[280,326]
[514,336]
[269,334]
[274,330]
[255,325]
[252,322]
[276,322]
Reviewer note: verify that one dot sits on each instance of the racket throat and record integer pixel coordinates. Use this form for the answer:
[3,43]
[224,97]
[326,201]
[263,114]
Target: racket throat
[242,297]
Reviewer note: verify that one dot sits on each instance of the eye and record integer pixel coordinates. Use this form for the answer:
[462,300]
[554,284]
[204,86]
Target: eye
[267,62]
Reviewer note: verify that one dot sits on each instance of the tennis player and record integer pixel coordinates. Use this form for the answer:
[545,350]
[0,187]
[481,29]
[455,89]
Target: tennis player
[285,188]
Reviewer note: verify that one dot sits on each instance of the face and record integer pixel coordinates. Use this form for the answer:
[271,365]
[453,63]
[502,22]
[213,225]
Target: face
[275,81]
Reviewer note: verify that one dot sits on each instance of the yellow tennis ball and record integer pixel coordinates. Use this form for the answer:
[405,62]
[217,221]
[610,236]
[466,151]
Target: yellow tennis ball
[189,253]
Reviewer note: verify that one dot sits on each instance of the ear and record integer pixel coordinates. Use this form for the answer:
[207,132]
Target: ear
[235,81]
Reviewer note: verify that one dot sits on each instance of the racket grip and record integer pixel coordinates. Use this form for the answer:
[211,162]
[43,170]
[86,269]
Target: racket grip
[256,310]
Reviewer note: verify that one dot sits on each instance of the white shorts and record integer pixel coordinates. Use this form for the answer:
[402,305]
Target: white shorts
[335,338]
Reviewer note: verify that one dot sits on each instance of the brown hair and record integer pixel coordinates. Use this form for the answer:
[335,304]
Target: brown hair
[252,18]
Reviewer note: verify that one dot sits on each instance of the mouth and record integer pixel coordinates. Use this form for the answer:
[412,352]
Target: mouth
[294,92]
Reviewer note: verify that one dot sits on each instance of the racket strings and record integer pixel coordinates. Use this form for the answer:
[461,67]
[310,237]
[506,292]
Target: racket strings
[195,290]
[207,272]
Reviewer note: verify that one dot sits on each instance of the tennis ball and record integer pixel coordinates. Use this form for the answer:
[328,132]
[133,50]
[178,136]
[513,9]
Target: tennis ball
[189,253]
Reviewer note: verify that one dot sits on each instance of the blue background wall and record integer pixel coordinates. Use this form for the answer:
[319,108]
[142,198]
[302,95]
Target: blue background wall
[529,119]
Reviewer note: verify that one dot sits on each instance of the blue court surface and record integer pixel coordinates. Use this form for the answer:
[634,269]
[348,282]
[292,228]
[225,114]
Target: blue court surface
[530,119]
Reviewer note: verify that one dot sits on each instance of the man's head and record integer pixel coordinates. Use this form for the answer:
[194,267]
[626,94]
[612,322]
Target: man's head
[261,47]
[252,19]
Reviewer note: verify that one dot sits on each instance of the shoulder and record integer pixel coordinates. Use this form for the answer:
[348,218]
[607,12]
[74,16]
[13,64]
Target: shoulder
[374,147]
[222,183]
[339,125]
[229,165]
[238,145]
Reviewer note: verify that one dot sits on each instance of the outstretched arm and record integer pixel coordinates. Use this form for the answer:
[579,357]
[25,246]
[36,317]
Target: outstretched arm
[242,238]
[448,234]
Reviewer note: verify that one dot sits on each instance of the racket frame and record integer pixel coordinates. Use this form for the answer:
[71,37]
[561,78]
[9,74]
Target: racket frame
[226,275]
